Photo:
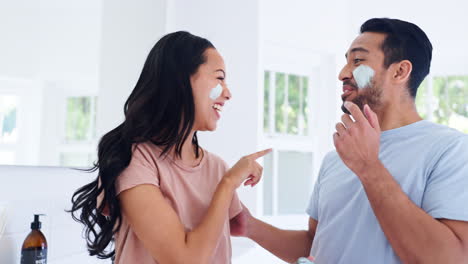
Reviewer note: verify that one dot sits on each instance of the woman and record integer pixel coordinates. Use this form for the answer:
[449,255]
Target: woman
[159,195]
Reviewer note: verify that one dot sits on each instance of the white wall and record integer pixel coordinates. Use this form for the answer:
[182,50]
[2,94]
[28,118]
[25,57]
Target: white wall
[50,39]
[129,31]
[69,40]
[307,25]
[18,48]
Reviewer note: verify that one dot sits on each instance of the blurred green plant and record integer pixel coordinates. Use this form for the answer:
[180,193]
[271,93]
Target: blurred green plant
[449,101]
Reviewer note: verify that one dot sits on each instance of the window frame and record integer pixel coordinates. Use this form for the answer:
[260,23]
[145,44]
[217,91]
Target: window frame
[86,147]
[303,63]
[27,118]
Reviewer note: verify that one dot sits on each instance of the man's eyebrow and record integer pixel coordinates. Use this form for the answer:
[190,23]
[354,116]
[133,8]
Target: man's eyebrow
[357,50]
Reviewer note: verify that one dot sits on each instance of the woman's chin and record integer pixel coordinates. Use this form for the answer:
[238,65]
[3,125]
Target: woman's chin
[209,127]
[212,127]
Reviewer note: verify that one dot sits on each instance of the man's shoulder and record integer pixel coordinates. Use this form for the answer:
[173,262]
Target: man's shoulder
[331,157]
[433,142]
[426,137]
[440,129]
[443,136]
[332,163]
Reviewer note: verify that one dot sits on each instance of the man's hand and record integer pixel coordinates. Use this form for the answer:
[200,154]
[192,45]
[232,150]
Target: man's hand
[357,142]
[239,224]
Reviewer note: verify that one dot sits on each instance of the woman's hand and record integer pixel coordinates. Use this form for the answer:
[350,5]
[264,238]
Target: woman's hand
[308,260]
[239,224]
[246,169]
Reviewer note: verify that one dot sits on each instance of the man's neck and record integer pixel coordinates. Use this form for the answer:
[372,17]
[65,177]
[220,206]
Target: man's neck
[394,116]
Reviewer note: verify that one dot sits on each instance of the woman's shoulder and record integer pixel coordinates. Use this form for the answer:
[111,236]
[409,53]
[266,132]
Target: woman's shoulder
[215,159]
[147,153]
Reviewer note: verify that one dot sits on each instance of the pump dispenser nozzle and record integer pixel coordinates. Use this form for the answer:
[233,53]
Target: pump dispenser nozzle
[36,224]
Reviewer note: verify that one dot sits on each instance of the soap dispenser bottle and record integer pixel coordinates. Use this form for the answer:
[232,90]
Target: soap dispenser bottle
[34,250]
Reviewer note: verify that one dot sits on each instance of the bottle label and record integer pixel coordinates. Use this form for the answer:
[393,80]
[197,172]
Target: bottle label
[34,256]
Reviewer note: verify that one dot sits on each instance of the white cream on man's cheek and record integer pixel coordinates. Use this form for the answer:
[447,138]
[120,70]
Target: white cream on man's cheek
[216,92]
[363,76]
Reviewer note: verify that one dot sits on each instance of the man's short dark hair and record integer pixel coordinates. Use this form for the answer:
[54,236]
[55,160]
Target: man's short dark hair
[403,41]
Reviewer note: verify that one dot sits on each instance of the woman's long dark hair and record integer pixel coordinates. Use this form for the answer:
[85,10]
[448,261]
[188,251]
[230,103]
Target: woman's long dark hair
[161,110]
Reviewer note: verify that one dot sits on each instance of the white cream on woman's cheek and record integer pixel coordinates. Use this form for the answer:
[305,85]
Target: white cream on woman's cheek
[363,76]
[216,92]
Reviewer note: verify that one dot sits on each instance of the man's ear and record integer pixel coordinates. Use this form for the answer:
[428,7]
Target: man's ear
[402,71]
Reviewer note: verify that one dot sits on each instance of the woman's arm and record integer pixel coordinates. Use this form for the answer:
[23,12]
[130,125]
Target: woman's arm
[287,245]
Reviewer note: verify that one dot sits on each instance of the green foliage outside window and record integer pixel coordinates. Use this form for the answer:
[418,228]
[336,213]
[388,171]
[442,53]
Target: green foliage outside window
[80,119]
[449,101]
[280,107]
[291,113]
[266,102]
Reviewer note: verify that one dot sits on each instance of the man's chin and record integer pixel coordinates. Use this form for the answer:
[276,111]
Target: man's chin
[357,102]
[344,109]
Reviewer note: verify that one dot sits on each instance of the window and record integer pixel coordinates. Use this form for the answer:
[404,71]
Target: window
[289,169]
[285,104]
[444,100]
[80,119]
[46,123]
[8,110]
[79,139]
[8,128]
[288,182]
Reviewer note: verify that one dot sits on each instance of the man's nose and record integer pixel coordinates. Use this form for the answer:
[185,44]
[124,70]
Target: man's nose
[345,73]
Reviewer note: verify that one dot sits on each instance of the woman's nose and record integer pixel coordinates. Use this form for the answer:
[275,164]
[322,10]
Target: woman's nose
[226,93]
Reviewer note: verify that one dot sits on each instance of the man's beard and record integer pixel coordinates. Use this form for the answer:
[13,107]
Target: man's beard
[370,96]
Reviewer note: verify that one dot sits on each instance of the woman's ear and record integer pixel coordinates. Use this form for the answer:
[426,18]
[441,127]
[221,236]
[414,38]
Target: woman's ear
[402,71]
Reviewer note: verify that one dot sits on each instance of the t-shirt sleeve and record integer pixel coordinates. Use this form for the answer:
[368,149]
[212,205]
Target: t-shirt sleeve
[141,170]
[312,208]
[446,194]
[236,206]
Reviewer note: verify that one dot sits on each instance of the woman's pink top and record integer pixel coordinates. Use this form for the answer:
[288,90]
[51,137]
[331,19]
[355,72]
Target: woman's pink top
[188,190]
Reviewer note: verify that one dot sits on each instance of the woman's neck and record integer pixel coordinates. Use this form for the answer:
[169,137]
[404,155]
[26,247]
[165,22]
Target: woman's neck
[188,156]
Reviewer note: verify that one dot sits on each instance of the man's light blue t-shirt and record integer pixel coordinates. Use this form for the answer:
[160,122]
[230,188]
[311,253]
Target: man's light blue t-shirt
[429,161]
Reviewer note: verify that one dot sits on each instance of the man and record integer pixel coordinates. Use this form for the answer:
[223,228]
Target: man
[396,188]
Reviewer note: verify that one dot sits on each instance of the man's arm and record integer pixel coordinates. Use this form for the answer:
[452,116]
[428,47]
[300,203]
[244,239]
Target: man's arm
[415,236]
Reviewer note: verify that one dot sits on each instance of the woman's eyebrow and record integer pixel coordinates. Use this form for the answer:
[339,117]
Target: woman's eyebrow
[221,70]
